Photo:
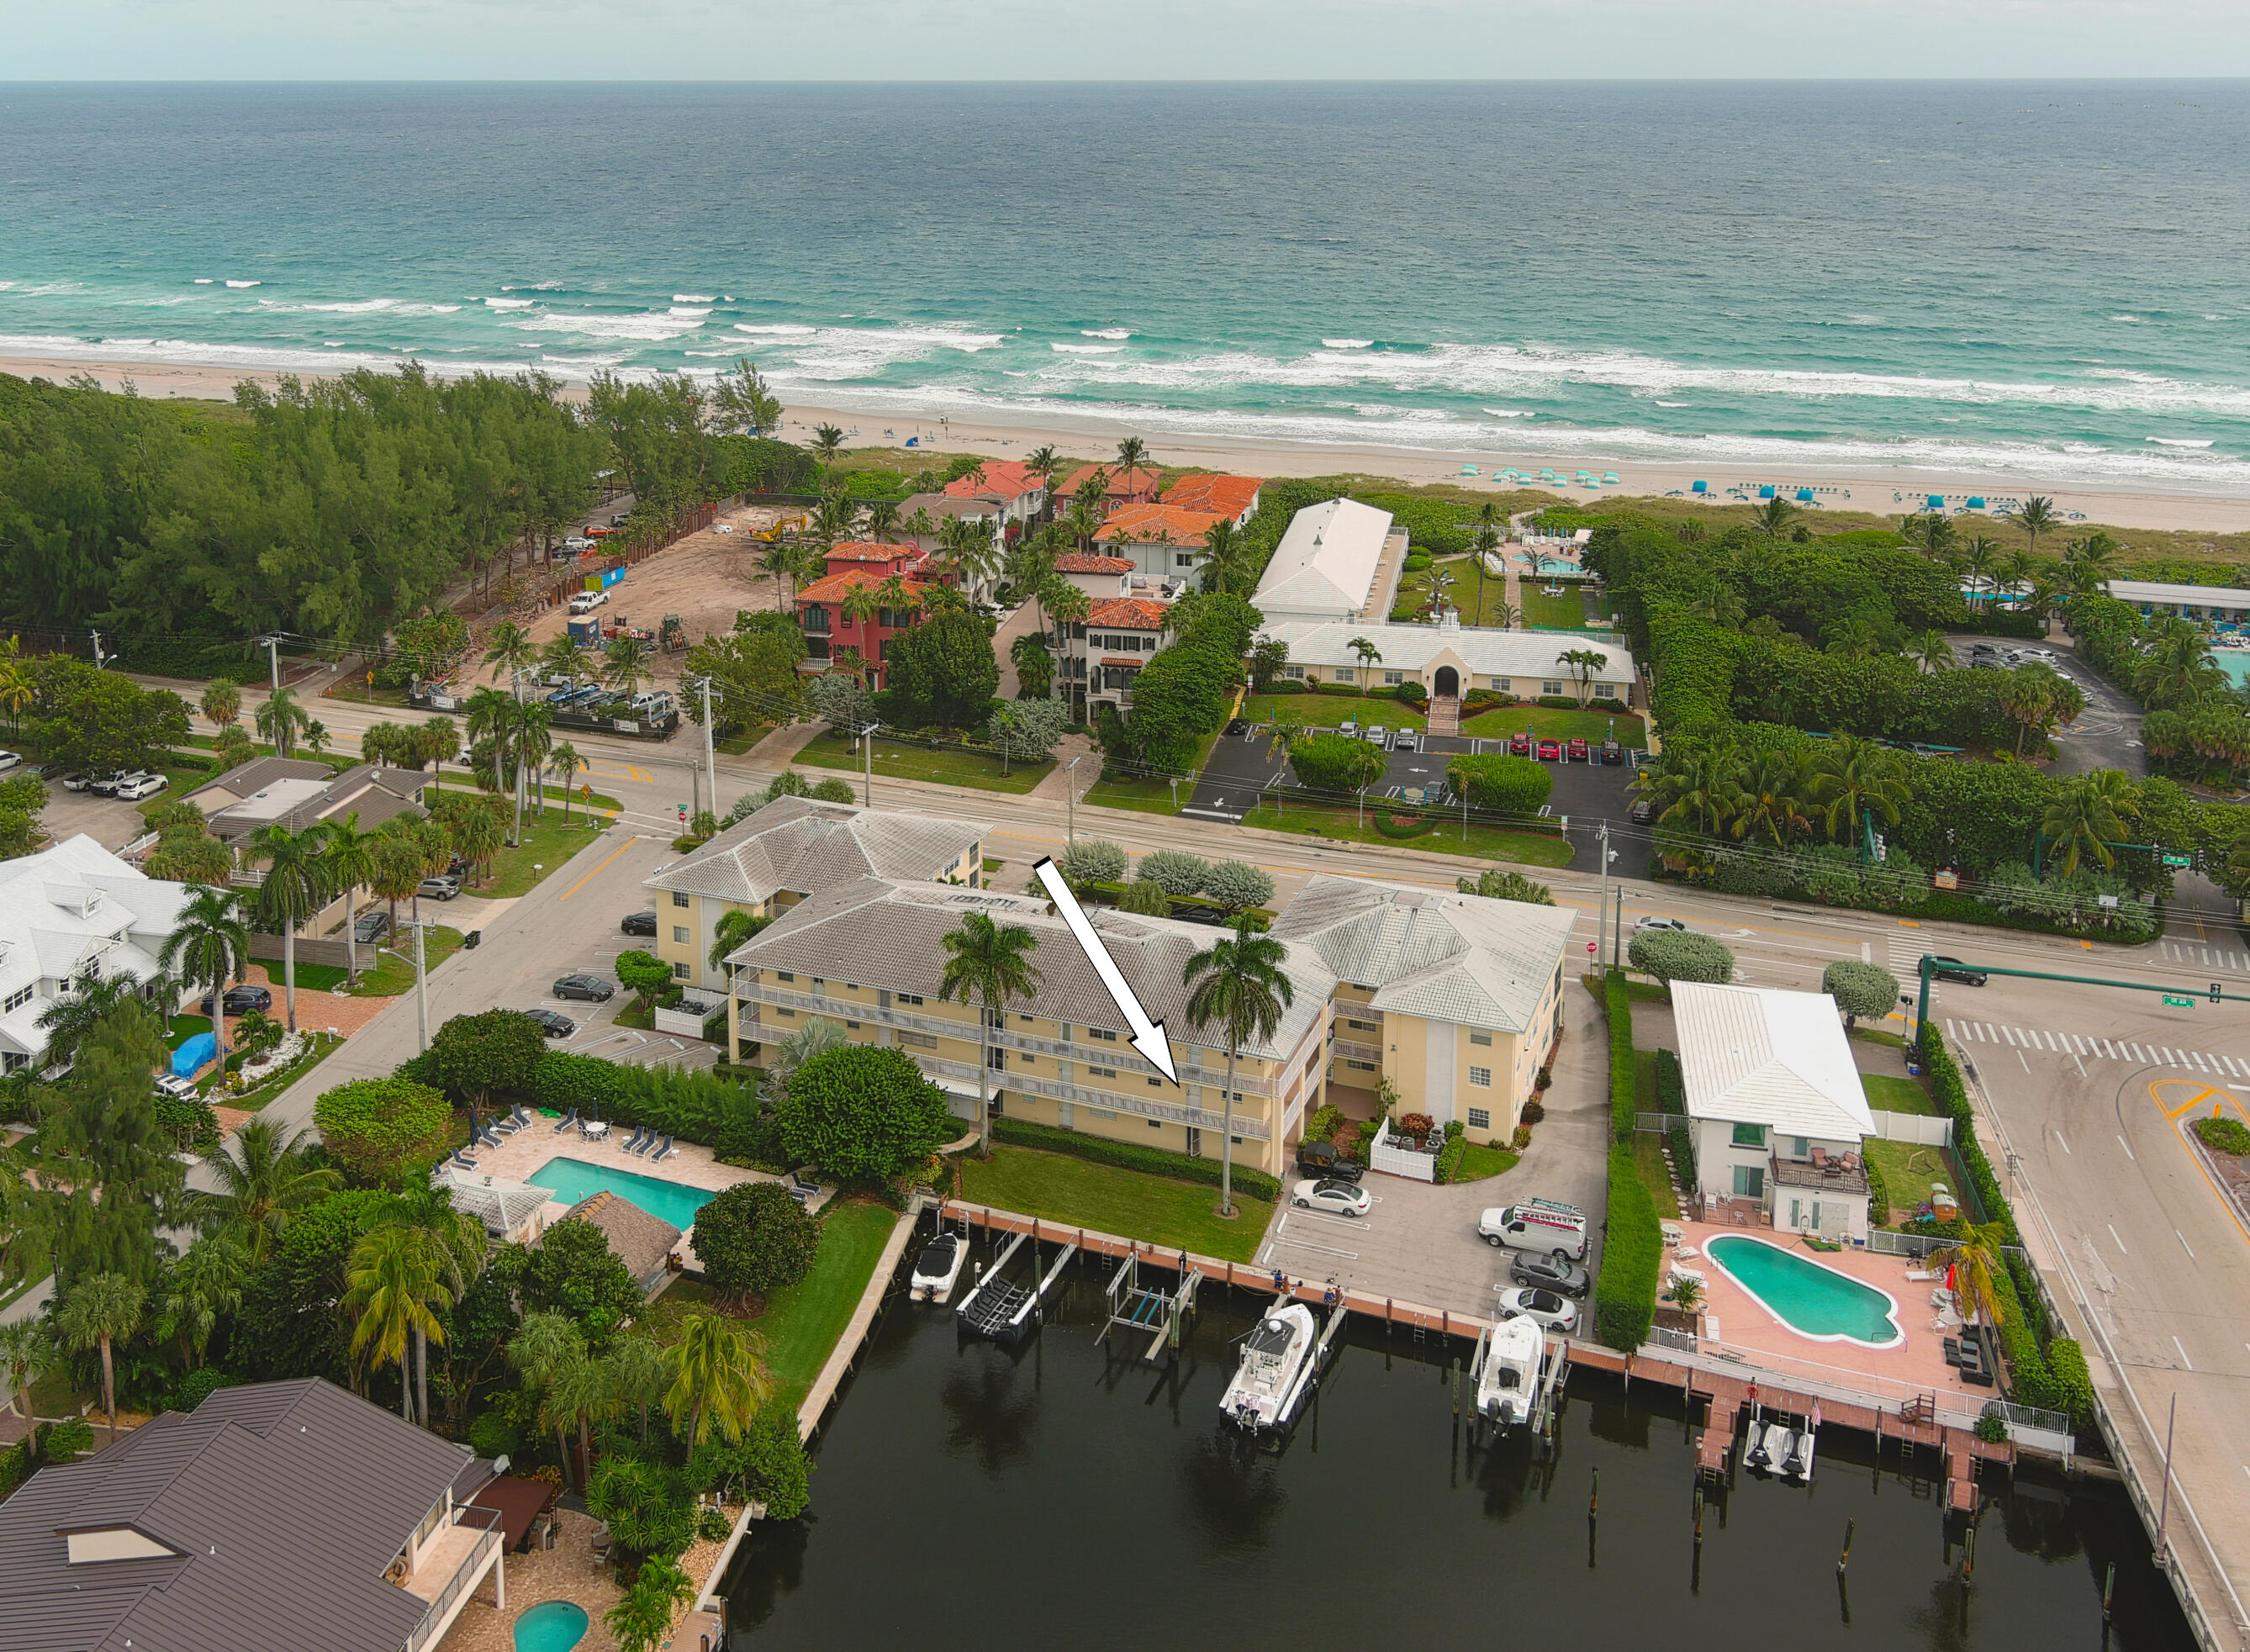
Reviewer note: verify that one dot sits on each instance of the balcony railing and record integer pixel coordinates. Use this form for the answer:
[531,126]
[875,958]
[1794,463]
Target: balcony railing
[464,1575]
[1354,1048]
[1253,1125]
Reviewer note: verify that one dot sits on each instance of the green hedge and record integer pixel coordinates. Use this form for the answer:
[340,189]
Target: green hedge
[714,1112]
[1952,1100]
[1622,1098]
[1625,1295]
[2073,1384]
[1672,1099]
[1419,827]
[1126,1155]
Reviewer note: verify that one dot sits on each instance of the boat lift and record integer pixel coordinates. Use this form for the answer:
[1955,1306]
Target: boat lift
[1003,1310]
[1546,1388]
[1134,1307]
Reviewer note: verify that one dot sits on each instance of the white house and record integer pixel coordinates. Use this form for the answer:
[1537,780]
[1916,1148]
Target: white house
[1327,565]
[1448,660]
[72,913]
[1780,1115]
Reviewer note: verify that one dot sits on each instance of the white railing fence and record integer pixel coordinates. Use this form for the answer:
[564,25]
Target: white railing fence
[1398,1156]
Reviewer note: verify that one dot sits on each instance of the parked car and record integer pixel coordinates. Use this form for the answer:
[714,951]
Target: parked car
[1578,753]
[1613,751]
[1408,740]
[77,781]
[1550,1310]
[371,927]
[1323,1161]
[106,785]
[1337,1198]
[442,887]
[1550,751]
[593,988]
[1946,969]
[1519,744]
[1657,921]
[1376,735]
[1643,811]
[639,923]
[1238,726]
[553,1025]
[55,770]
[140,786]
[1549,1273]
[9,760]
[176,1087]
[240,1001]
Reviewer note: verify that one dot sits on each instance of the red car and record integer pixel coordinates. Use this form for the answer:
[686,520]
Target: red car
[1519,745]
[1578,752]
[1550,751]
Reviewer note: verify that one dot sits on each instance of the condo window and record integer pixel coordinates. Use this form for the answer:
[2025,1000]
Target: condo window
[853,1026]
[1102,1072]
[1480,1077]
[1393,678]
[917,1041]
[679,934]
[680,970]
[1102,1033]
[678,899]
[1182,559]
[1294,673]
[783,974]
[17,999]
[909,998]
[1749,1135]
[1500,683]
[784,1010]
[1359,1066]
[1155,1123]
[1359,1026]
[1484,1038]
[1480,1118]
[1551,688]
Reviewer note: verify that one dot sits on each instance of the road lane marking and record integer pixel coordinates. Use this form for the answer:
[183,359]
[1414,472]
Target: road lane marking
[2128,1146]
[2066,1146]
[2079,1065]
[2019,1057]
[591,876]
[2185,1361]
[2113,1230]
[2182,1237]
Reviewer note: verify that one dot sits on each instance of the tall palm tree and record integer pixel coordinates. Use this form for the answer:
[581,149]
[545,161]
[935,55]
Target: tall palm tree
[1225,563]
[1369,654]
[1043,462]
[1584,662]
[101,1309]
[1978,1265]
[2179,669]
[625,665]
[881,526]
[783,559]
[1241,985]
[209,946]
[580,1392]
[1487,539]
[204,1283]
[1774,516]
[827,441]
[1773,805]
[263,1177]
[543,1345]
[492,718]
[1704,791]
[988,964]
[391,1285]
[1066,605]
[437,742]
[27,1352]
[281,718]
[718,1377]
[535,737]
[2036,515]
[898,597]
[859,606]
[1853,776]
[295,887]
[1978,553]
[509,650]
[735,926]
[2086,816]
[564,762]
[634,1366]
[222,702]
[1132,458]
[349,853]
[1931,652]
[564,657]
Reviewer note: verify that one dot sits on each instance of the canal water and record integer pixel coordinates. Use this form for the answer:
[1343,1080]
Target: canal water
[1060,1494]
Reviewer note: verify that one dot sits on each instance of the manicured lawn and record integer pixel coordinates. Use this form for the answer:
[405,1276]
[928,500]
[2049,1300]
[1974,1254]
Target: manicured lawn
[738,745]
[801,1324]
[945,765]
[1479,1162]
[380,976]
[545,846]
[1874,1037]
[184,1028]
[1644,1082]
[1648,1159]
[1563,613]
[1486,843]
[1896,1095]
[1547,723]
[1326,711]
[1907,1171]
[1132,1204]
[1153,794]
[1413,598]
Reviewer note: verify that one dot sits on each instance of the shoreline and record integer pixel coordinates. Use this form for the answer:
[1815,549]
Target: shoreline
[1879,489]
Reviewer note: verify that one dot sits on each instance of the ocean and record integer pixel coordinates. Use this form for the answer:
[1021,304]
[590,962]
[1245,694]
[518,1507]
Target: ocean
[2041,280]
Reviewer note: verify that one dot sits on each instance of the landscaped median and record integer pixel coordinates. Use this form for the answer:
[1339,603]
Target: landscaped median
[1080,1181]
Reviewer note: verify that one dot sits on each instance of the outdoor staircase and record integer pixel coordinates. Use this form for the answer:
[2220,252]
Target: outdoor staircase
[1445,715]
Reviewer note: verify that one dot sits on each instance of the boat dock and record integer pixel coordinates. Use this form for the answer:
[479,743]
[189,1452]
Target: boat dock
[1162,1313]
[1003,1309]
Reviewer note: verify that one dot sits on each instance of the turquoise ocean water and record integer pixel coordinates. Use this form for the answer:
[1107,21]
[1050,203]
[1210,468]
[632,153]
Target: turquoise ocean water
[2045,281]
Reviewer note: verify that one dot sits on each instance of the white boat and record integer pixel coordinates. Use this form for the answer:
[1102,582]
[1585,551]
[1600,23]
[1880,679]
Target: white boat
[1510,1376]
[1276,1359]
[1755,1450]
[937,1267]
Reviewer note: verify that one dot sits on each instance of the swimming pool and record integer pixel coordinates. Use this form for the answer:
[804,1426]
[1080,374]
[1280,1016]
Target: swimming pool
[571,1179]
[1811,1298]
[552,1626]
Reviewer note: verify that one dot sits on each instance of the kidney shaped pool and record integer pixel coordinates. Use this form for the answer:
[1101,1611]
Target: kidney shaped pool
[1811,1298]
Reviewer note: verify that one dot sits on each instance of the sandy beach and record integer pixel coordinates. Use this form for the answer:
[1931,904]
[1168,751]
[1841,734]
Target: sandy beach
[1880,491]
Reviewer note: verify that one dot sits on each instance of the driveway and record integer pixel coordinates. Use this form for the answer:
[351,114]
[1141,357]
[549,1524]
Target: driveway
[2107,733]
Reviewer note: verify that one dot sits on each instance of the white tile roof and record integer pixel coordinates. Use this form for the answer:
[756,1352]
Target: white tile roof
[798,844]
[1462,959]
[1485,652]
[1326,562]
[1757,1056]
[68,905]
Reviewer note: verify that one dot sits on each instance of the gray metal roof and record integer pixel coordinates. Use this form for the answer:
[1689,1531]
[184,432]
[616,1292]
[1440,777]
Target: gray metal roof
[1455,958]
[283,1502]
[798,845]
[874,933]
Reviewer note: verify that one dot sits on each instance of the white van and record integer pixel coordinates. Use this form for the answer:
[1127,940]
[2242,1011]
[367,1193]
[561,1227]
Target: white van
[1538,1225]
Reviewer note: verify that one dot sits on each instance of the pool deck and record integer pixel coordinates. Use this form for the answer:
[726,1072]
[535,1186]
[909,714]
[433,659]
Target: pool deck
[567,1572]
[1915,1367]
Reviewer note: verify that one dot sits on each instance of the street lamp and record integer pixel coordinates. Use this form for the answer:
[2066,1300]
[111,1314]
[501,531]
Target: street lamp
[1070,797]
[421,985]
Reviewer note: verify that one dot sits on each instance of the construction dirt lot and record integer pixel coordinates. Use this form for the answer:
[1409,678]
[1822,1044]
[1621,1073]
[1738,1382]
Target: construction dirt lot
[704,578]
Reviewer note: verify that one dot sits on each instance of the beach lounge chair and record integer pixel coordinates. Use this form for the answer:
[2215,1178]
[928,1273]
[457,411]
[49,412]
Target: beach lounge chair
[505,1127]
[648,1149]
[463,1159]
[633,1141]
[666,1151]
[520,1116]
[570,1119]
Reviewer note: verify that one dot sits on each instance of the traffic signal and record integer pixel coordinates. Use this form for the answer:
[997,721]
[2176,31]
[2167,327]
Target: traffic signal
[2215,991]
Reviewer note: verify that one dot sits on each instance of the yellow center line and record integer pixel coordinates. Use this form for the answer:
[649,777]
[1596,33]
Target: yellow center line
[597,871]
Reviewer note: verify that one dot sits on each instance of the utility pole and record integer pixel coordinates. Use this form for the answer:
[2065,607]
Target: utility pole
[710,751]
[274,658]
[867,765]
[421,988]
[1605,884]
[97,651]
[1070,798]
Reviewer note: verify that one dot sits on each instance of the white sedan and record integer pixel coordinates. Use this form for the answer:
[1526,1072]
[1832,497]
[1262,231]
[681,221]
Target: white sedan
[1337,1198]
[1550,1310]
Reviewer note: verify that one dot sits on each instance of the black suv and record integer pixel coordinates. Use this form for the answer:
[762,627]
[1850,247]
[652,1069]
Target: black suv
[240,1001]
[1953,969]
[1551,1273]
[1322,1159]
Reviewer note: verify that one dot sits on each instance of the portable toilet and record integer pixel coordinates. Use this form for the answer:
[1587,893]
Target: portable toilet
[1699,487]
[1765,493]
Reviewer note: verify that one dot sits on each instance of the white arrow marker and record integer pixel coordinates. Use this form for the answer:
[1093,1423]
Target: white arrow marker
[1147,1035]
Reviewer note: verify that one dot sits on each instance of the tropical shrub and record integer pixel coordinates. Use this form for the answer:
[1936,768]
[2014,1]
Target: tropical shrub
[1675,954]
[863,1112]
[377,1127]
[1495,884]
[1498,782]
[755,1237]
[1337,763]
[1174,873]
[2223,1135]
[1237,885]
[1618,1003]
[1860,989]
[1091,860]
[1624,1295]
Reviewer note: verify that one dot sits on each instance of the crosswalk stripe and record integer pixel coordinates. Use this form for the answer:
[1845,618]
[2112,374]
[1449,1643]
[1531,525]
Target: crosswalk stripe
[2050,1042]
[2108,1048]
[2199,1059]
[2011,1031]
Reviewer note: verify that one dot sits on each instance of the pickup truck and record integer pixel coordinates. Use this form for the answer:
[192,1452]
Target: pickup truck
[587,602]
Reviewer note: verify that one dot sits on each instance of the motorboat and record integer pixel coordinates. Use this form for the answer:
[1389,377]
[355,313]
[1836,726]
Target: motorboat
[938,1267]
[1277,1360]
[1510,1376]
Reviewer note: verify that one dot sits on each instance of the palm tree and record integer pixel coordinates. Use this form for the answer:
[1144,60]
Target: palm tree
[222,702]
[1066,605]
[391,1282]
[1978,554]
[90,1000]
[1772,805]
[349,853]
[816,1037]
[510,651]
[1705,791]
[1584,662]
[204,1283]
[1367,651]
[1225,565]
[2036,515]
[989,963]
[101,1309]
[1773,517]
[1931,652]
[2179,669]
[635,1367]
[564,762]
[437,742]
[2085,816]
[1132,458]
[881,526]
[545,1344]
[535,737]
[563,657]
[735,926]
[625,665]
[1852,776]
[264,1177]
[1978,1265]
[859,605]
[579,1394]
[492,719]
[27,1352]
[1487,541]
[476,835]
[1043,462]
[295,886]
[718,1376]
[209,946]
[1506,616]
[782,559]
[1854,639]
[281,718]
[1240,984]
[642,1618]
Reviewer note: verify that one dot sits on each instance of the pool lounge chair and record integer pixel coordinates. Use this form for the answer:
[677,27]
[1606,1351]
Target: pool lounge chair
[461,1157]
[633,1141]
[566,1122]
[521,1119]
[647,1148]
[666,1151]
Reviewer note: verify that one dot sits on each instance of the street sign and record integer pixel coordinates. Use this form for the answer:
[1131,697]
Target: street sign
[2177,860]
[2178,1002]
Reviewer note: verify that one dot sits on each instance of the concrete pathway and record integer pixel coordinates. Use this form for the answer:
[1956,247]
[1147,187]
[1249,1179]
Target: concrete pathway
[1062,781]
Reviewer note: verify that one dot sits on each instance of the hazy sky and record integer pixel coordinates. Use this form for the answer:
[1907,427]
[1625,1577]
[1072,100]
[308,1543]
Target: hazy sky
[1156,39]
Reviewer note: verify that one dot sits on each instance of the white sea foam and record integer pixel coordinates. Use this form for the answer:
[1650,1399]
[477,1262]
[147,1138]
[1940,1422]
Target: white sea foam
[201,280]
[776,329]
[1672,404]
[832,355]
[643,328]
[1510,413]
[253,358]
[1086,349]
[509,303]
[689,311]
[2175,441]
[244,284]
[365,307]
[693,298]
[1348,344]
[1103,332]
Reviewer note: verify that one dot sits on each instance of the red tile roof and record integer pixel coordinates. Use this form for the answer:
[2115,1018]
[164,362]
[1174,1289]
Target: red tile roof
[834,587]
[1143,483]
[1229,495]
[1006,477]
[1161,522]
[1135,613]
[868,551]
[1084,562]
